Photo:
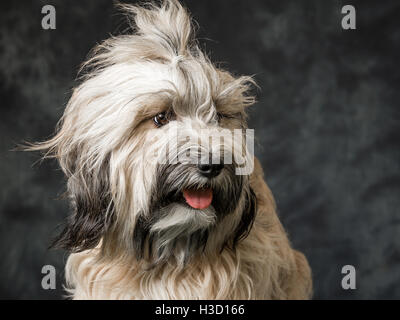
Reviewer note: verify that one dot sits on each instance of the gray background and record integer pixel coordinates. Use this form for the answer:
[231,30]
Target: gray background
[327,125]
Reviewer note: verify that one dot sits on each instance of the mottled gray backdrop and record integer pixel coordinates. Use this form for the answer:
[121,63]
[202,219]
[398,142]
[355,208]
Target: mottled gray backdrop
[326,124]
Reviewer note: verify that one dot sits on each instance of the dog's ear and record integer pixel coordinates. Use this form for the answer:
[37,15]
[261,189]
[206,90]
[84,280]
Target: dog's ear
[92,211]
[248,216]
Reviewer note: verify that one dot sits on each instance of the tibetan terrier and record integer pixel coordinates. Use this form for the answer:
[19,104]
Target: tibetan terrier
[168,201]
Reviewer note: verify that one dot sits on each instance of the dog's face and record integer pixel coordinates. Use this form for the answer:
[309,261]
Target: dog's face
[148,145]
[195,191]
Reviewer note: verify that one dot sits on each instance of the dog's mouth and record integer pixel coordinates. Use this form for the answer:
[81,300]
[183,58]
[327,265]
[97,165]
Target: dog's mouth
[182,185]
[198,198]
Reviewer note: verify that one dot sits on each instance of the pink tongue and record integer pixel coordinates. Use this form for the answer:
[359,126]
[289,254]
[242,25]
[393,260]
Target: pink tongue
[198,199]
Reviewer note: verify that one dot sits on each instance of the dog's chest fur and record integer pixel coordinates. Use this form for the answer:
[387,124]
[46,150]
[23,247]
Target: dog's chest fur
[263,266]
[223,276]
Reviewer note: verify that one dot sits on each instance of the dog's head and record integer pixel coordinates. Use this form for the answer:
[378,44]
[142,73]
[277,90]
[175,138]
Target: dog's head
[152,143]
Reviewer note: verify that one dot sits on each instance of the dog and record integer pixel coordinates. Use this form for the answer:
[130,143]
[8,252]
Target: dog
[189,226]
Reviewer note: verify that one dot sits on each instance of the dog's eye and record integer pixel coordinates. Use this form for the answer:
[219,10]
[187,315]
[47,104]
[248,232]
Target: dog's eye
[233,116]
[221,116]
[160,119]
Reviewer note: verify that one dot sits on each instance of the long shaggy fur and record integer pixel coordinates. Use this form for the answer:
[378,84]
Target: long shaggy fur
[130,234]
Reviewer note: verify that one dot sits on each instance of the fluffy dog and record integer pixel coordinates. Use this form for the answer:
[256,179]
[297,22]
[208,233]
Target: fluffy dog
[190,226]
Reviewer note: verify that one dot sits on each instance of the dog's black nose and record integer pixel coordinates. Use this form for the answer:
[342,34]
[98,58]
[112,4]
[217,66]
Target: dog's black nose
[210,170]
